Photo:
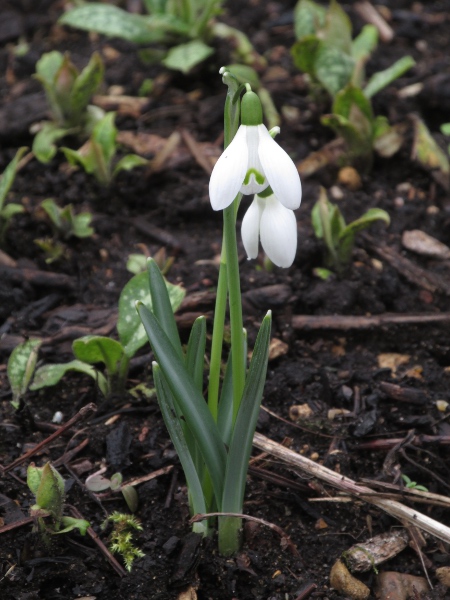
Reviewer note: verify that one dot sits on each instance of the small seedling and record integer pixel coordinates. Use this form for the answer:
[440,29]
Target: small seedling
[65,222]
[91,351]
[412,485]
[339,238]
[47,485]
[137,263]
[97,155]
[68,93]
[20,370]
[121,538]
[183,28]
[98,483]
[8,210]
[335,62]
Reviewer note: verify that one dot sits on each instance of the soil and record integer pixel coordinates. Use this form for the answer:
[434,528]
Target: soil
[324,363]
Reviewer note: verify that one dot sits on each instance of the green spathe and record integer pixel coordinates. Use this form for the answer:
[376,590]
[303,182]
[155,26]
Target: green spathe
[251,109]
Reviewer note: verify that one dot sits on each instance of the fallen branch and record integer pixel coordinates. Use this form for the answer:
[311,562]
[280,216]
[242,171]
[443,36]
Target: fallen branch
[345,322]
[347,485]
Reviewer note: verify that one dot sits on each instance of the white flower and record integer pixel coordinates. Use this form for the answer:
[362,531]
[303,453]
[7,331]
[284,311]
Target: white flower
[251,163]
[276,225]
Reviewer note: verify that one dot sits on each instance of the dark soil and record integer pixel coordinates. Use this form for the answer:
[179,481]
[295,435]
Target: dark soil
[327,366]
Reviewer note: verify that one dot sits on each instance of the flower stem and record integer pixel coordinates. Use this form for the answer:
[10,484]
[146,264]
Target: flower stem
[234,291]
[217,337]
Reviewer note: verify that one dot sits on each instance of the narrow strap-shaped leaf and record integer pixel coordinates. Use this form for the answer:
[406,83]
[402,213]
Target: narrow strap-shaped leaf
[188,398]
[166,403]
[195,359]
[195,354]
[225,414]
[241,441]
[161,306]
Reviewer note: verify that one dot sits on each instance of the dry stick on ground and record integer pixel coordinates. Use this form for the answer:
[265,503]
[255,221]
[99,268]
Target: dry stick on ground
[104,550]
[370,14]
[347,485]
[81,414]
[340,322]
[410,271]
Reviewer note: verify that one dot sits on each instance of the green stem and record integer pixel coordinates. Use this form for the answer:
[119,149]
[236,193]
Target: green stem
[234,290]
[217,337]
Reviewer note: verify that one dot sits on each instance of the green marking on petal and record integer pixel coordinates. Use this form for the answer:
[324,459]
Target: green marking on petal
[266,193]
[259,177]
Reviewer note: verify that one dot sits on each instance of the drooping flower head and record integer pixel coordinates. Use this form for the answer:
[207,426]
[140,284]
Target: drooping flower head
[254,163]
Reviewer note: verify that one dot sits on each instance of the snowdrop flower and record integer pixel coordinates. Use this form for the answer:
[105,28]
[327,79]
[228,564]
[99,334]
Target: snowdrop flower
[252,162]
[268,219]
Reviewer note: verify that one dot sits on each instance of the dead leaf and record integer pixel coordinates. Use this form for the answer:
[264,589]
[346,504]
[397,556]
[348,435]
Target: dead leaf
[392,360]
[420,242]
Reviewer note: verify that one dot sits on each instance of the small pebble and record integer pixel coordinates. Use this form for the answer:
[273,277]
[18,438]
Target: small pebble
[57,417]
[350,178]
[399,586]
[336,193]
[443,574]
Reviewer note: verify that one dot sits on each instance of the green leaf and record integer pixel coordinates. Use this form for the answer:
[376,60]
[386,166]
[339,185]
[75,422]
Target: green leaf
[188,398]
[136,263]
[162,306]
[131,331]
[49,375]
[50,493]
[347,235]
[114,22]
[81,225]
[338,29]
[445,128]
[47,68]
[105,133]
[129,162]
[345,102]
[245,74]
[309,17]
[131,497]
[70,523]
[9,174]
[94,349]
[97,483]
[44,147]
[186,56]
[116,481]
[426,151]
[195,353]
[387,139]
[244,429]
[365,43]
[85,86]
[380,80]
[34,476]
[10,210]
[304,53]
[21,365]
[166,402]
[333,68]
[53,212]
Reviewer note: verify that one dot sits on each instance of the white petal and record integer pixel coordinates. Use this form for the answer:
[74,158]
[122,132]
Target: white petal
[280,170]
[278,232]
[253,187]
[229,172]
[250,228]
